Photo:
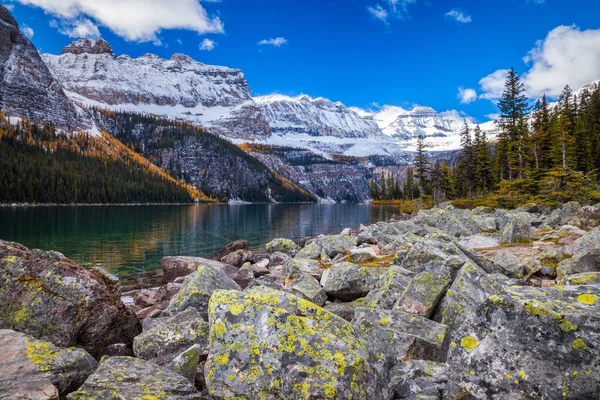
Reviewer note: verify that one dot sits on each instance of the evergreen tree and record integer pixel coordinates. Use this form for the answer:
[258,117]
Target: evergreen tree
[513,109]
[482,161]
[421,162]
[465,164]
[447,184]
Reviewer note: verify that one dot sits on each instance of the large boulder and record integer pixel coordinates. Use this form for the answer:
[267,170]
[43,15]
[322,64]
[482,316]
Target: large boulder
[134,378]
[327,247]
[586,257]
[432,248]
[294,267]
[32,369]
[425,290]
[309,288]
[389,288]
[274,345]
[179,266]
[230,248]
[509,265]
[469,290]
[419,379]
[529,343]
[347,281]
[197,289]
[165,338]
[458,223]
[52,298]
[402,336]
[517,231]
[285,246]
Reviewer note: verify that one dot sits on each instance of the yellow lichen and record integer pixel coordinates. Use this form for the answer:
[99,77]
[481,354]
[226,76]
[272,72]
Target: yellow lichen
[579,344]
[236,309]
[384,321]
[588,299]
[222,359]
[219,328]
[567,326]
[468,343]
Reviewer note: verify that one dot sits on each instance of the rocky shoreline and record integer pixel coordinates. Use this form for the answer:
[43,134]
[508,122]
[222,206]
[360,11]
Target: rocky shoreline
[449,304]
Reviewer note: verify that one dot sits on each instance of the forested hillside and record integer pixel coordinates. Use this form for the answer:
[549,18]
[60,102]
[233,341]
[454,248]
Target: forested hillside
[39,165]
[545,152]
[214,165]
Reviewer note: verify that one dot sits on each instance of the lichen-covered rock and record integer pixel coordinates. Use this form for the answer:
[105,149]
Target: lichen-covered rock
[425,290]
[309,288]
[509,265]
[32,369]
[298,266]
[586,257]
[389,288]
[197,289]
[285,246]
[187,362]
[430,249]
[165,338]
[529,343]
[567,215]
[454,222]
[584,278]
[479,242]
[347,281]
[419,379]
[245,276]
[238,258]
[274,345]
[327,247]
[517,230]
[177,267]
[402,336]
[134,378]
[363,254]
[469,290]
[50,297]
[344,310]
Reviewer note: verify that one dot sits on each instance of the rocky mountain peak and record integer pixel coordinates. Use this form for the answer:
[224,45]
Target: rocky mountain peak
[27,88]
[88,46]
[182,58]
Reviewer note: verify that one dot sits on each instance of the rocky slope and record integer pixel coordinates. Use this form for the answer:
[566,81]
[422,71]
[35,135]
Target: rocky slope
[216,98]
[403,309]
[27,88]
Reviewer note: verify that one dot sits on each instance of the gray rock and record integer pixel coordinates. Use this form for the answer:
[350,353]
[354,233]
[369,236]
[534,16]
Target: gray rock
[165,338]
[419,379]
[402,336]
[296,266]
[425,290]
[134,378]
[479,242]
[510,265]
[458,223]
[584,278]
[245,276]
[517,230]
[344,310]
[586,257]
[230,248]
[362,255]
[309,288]
[197,289]
[327,246]
[32,369]
[285,246]
[389,288]
[347,281]
[50,297]
[431,249]
[469,290]
[529,343]
[286,347]
[278,258]
[238,258]
[177,267]
[187,362]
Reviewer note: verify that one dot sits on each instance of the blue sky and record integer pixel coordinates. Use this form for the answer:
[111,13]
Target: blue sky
[360,52]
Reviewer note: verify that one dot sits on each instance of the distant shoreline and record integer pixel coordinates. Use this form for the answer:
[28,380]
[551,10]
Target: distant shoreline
[23,205]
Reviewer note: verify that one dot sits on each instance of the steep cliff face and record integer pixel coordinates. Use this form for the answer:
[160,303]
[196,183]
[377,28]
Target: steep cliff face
[27,88]
[213,97]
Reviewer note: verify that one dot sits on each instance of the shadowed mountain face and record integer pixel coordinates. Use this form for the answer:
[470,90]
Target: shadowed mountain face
[27,87]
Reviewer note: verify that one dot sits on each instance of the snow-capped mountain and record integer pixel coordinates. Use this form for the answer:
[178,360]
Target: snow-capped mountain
[27,88]
[214,97]
[315,117]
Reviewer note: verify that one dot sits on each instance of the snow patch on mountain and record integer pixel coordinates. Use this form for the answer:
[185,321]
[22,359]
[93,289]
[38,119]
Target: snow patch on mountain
[214,97]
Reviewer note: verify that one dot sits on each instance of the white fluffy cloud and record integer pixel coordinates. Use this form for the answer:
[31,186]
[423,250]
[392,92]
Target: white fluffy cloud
[80,28]
[567,56]
[459,116]
[466,96]
[397,9]
[27,31]
[208,45]
[135,20]
[277,42]
[459,16]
